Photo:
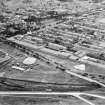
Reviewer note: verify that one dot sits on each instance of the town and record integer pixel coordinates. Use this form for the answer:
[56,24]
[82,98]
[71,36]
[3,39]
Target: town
[52,45]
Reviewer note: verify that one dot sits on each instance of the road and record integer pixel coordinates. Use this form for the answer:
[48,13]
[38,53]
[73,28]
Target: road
[74,94]
[85,78]
[90,80]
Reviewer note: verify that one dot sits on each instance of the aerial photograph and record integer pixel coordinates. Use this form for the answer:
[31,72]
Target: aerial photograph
[54,50]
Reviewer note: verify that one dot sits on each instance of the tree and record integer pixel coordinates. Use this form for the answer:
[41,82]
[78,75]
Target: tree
[2,5]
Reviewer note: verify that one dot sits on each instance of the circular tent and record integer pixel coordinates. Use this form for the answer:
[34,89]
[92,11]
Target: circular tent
[29,61]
